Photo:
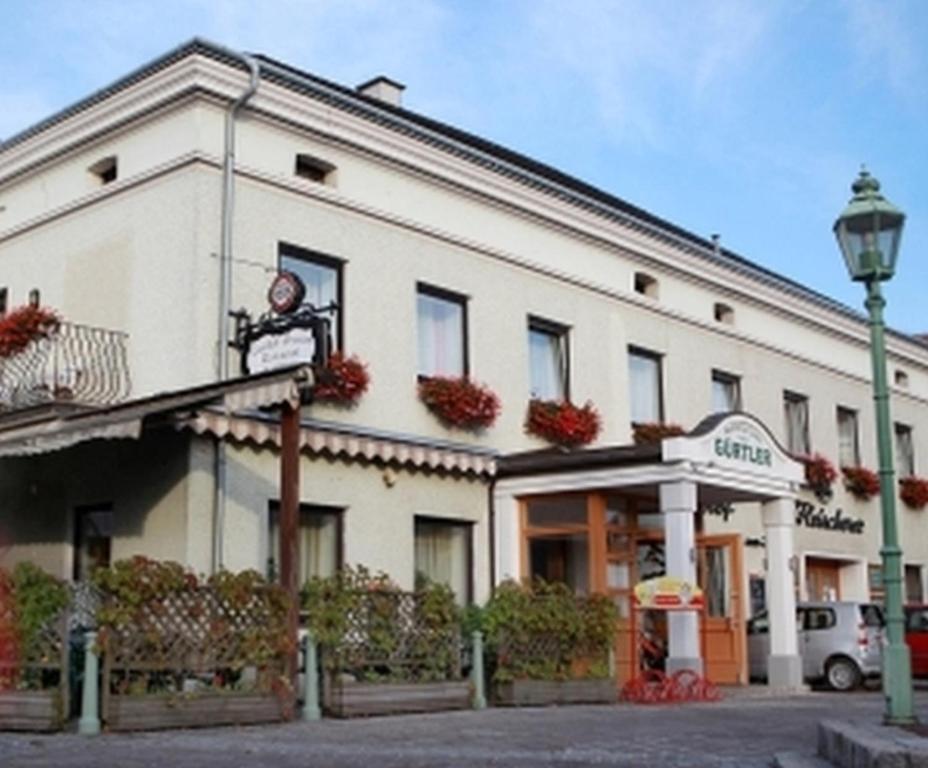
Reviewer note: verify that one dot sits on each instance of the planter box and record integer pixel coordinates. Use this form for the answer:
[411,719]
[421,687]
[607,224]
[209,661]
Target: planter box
[543,693]
[155,711]
[31,710]
[353,699]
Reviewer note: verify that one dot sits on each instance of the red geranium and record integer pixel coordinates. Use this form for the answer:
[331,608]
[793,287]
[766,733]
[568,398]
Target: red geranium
[861,482]
[914,492]
[562,423]
[655,431]
[459,402]
[21,326]
[820,474]
[342,380]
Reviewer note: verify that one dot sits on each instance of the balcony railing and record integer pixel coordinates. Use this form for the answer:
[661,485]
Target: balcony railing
[76,364]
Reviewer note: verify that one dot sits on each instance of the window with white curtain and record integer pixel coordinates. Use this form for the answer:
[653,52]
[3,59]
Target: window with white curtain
[548,367]
[848,446]
[726,392]
[644,386]
[796,416]
[319,547]
[322,277]
[905,451]
[441,319]
[443,554]
[93,537]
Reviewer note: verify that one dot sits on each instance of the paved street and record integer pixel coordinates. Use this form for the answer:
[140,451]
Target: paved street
[744,731]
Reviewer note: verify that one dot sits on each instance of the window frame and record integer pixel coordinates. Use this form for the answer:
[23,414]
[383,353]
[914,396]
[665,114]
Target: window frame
[327,261]
[898,430]
[723,377]
[538,324]
[444,294]
[658,358]
[796,398]
[305,508]
[851,414]
[469,526]
[77,538]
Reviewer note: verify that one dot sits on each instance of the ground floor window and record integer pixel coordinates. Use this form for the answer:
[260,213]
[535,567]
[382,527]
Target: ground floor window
[93,536]
[320,541]
[557,539]
[914,592]
[875,580]
[443,554]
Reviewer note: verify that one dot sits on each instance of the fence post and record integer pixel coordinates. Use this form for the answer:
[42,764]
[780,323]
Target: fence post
[89,724]
[476,671]
[611,661]
[311,709]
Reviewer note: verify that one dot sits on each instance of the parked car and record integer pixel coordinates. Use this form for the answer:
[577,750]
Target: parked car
[839,642]
[916,635]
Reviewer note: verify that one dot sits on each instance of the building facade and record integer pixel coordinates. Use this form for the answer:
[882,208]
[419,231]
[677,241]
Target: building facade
[445,255]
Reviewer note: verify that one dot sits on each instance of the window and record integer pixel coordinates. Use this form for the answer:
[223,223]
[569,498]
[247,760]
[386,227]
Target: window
[313,169]
[93,535]
[875,582]
[901,378]
[548,360]
[322,276]
[723,313]
[905,451]
[819,618]
[320,541]
[557,540]
[4,298]
[914,592]
[444,554]
[726,392]
[848,447]
[442,325]
[644,386]
[796,414]
[645,285]
[105,170]
[35,297]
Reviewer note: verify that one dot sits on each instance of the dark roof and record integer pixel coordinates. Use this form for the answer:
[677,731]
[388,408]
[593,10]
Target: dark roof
[553,460]
[476,149]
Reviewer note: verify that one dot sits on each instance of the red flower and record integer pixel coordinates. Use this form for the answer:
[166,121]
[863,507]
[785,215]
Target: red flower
[459,402]
[861,482]
[654,431]
[562,423]
[914,492]
[342,380]
[21,326]
[820,474]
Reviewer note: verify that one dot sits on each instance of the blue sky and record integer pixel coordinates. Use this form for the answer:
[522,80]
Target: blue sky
[749,118]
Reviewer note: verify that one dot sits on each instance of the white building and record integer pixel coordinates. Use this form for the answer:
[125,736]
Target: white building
[446,254]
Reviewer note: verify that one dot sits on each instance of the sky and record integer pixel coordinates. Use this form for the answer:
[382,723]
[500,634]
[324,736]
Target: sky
[746,118]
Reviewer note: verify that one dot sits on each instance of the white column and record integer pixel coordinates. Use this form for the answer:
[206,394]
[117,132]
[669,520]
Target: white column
[784,665]
[678,506]
[507,537]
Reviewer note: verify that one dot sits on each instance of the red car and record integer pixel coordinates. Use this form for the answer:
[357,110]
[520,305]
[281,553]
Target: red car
[916,635]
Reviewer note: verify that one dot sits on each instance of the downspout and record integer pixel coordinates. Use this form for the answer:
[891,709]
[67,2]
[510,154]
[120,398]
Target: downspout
[225,293]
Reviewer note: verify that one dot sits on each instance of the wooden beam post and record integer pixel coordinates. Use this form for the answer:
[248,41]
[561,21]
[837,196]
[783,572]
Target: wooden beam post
[289,525]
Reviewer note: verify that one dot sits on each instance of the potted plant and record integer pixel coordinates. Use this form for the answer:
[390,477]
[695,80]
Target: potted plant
[862,483]
[460,403]
[563,423]
[820,475]
[647,432]
[341,381]
[21,326]
[913,491]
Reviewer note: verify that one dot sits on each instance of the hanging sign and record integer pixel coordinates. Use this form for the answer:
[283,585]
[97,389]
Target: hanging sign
[281,350]
[666,593]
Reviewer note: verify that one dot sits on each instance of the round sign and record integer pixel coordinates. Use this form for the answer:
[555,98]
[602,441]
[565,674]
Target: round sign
[286,293]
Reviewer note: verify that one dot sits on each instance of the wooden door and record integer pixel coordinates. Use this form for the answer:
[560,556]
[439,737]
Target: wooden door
[823,579]
[720,574]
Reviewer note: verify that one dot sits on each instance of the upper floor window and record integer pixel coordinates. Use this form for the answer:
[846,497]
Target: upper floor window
[905,451]
[322,276]
[105,170]
[645,284]
[442,327]
[548,360]
[796,416]
[723,313]
[4,298]
[644,386]
[848,445]
[726,392]
[313,169]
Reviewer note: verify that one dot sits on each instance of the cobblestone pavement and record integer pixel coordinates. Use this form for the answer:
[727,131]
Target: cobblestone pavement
[743,731]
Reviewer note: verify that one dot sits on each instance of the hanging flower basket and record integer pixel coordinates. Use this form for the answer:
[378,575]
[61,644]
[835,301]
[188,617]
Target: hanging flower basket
[820,475]
[341,381]
[648,432]
[563,423]
[862,483]
[21,326]
[914,492]
[460,403]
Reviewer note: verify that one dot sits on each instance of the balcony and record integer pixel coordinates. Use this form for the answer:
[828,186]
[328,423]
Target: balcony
[73,366]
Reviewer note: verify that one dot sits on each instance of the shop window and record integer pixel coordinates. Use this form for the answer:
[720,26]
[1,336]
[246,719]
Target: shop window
[645,285]
[905,451]
[644,384]
[875,582]
[796,416]
[914,589]
[848,445]
[726,392]
[105,171]
[723,313]
[548,360]
[314,169]
[442,330]
[557,530]
[443,554]
[322,276]
[319,547]
[93,537]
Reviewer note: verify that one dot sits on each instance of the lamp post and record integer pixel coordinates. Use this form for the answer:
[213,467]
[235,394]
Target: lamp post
[868,232]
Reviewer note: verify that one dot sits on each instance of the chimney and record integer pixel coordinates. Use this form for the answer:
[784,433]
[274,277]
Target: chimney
[716,244]
[383,89]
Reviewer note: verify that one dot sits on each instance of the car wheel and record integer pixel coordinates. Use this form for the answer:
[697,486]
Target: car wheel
[842,674]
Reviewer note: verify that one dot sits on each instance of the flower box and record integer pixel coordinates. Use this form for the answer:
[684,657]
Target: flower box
[31,710]
[21,326]
[861,483]
[460,403]
[351,698]
[150,712]
[820,475]
[341,381]
[645,433]
[563,423]
[545,693]
[914,492]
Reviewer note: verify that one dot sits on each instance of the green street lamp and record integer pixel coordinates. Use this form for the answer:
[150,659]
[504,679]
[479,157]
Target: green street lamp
[869,231]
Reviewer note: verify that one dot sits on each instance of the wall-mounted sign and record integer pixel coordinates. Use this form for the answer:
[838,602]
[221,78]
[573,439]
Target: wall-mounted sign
[286,293]
[281,350]
[666,593]
[724,510]
[807,515]
[749,446]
